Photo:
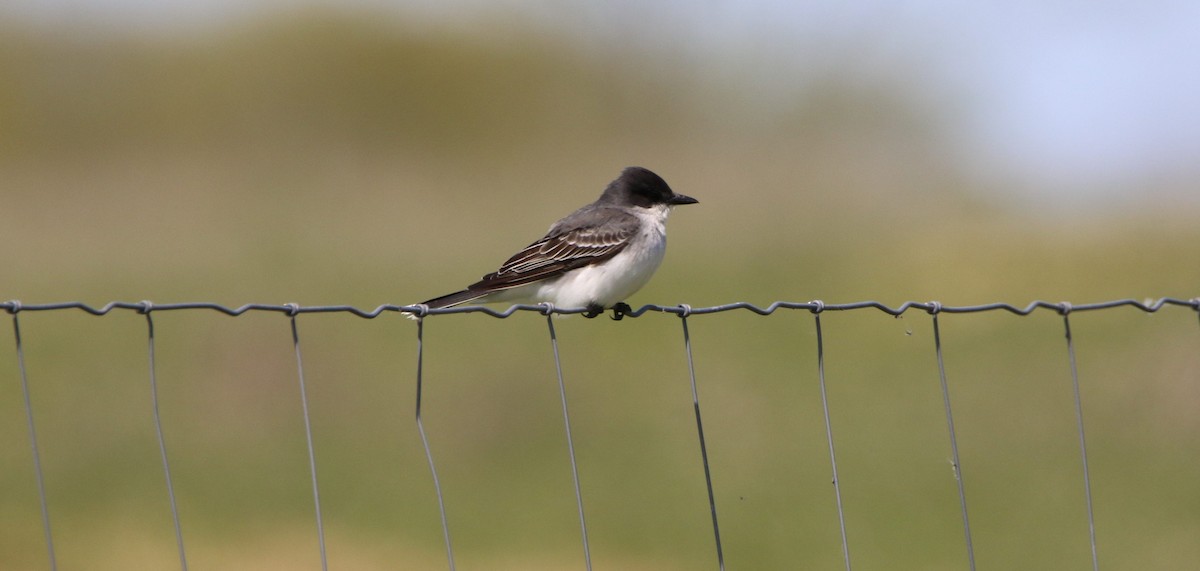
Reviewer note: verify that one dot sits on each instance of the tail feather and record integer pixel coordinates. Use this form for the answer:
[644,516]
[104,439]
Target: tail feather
[453,299]
[450,300]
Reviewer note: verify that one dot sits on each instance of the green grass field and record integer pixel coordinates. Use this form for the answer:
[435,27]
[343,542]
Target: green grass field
[328,160]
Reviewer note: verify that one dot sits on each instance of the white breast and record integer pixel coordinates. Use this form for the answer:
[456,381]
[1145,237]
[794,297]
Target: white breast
[618,278]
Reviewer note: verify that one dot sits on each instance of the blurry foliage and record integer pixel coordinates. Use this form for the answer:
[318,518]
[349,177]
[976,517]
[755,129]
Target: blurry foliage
[313,79]
[327,158]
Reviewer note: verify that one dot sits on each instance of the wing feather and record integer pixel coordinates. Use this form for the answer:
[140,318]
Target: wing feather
[567,246]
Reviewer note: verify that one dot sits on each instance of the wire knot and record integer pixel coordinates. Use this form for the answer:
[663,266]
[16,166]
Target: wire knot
[422,310]
[684,310]
[547,308]
[1064,308]
[292,309]
[14,306]
[935,307]
[1195,303]
[146,306]
[817,306]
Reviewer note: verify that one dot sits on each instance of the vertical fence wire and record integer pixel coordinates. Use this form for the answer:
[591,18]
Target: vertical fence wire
[816,307]
[958,476]
[562,391]
[33,444]
[712,502]
[837,486]
[437,485]
[162,442]
[1087,481]
[312,459]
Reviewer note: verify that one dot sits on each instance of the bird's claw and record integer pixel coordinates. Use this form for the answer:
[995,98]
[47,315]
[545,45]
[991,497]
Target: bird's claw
[593,310]
[619,311]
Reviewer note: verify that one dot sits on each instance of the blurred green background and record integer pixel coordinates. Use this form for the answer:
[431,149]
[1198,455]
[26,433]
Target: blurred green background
[327,156]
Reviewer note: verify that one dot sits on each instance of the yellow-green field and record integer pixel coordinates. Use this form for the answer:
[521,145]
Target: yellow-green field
[338,160]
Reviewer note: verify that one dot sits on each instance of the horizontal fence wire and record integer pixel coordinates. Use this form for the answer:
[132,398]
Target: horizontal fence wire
[1147,305]
[683,311]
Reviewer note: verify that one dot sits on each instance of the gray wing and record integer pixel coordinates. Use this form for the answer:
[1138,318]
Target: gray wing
[587,237]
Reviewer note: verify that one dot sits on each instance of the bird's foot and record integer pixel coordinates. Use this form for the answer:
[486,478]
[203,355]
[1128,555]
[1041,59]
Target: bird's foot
[593,310]
[619,311]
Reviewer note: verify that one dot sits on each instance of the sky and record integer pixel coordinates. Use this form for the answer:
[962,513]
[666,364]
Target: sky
[1082,98]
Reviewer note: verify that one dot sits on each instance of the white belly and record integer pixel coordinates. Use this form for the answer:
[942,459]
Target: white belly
[604,284]
[608,283]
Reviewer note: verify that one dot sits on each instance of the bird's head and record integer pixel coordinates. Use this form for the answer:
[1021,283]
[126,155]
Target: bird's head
[640,187]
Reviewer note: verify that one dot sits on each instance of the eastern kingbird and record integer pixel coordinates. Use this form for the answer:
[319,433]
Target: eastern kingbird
[594,258]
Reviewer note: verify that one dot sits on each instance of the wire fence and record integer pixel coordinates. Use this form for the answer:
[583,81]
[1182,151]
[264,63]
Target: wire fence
[684,312]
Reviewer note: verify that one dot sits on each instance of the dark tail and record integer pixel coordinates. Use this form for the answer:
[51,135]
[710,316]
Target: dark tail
[455,298]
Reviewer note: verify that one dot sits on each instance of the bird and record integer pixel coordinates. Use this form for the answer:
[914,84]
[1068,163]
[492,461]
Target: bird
[594,258]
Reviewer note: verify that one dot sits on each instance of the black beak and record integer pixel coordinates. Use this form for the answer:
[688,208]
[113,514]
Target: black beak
[678,199]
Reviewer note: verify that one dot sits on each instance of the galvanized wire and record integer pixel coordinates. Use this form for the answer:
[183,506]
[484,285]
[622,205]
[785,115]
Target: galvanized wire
[684,311]
[312,458]
[1147,305]
[437,485]
[562,392]
[837,485]
[33,440]
[1087,480]
[957,463]
[162,441]
[712,502]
